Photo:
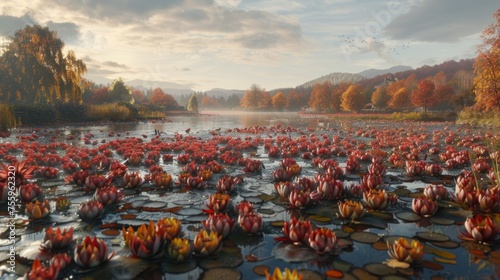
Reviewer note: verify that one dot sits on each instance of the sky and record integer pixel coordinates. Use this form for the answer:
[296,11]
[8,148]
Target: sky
[232,44]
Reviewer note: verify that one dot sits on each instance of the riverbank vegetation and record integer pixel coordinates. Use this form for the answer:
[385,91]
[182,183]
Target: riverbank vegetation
[41,84]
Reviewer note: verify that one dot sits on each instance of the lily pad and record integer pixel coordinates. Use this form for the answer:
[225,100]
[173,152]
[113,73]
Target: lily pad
[221,273]
[364,237]
[446,244]
[379,269]
[179,267]
[154,206]
[432,265]
[442,221]
[341,233]
[227,258]
[363,274]
[408,216]
[32,252]
[261,270]
[310,274]
[190,212]
[432,236]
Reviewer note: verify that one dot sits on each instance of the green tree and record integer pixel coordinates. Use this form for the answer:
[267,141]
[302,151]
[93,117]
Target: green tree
[119,92]
[193,104]
[34,69]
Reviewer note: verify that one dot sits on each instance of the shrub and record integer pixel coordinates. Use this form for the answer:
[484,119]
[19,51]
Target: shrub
[35,115]
[473,116]
[71,112]
[109,111]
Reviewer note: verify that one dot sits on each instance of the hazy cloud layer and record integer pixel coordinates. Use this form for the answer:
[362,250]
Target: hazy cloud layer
[442,21]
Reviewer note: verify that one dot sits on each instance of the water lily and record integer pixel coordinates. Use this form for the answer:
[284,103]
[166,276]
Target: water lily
[489,199]
[29,191]
[436,192]
[251,223]
[146,242]
[179,249]
[90,210]
[227,184]
[91,252]
[376,199]
[372,181]
[376,168]
[286,274]
[481,166]
[244,207]
[406,252]
[132,180]
[323,241]
[60,260]
[38,271]
[415,168]
[220,223]
[299,199]
[62,203]
[107,195]
[351,210]
[37,210]
[49,172]
[22,170]
[253,165]
[433,169]
[480,229]
[281,175]
[424,206]
[57,240]
[297,231]
[330,188]
[196,182]
[171,226]
[284,189]
[207,244]
[80,176]
[218,202]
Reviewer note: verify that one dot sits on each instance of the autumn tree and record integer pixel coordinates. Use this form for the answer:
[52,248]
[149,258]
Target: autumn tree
[463,87]
[163,100]
[119,92]
[352,99]
[99,96]
[380,97]
[336,96]
[321,96]
[193,104]
[487,68]
[399,100]
[255,98]
[425,95]
[279,101]
[138,96]
[33,69]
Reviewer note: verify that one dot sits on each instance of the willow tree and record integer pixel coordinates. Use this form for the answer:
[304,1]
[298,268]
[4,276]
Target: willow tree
[35,70]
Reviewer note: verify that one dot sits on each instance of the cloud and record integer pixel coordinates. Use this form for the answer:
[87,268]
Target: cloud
[114,64]
[10,24]
[68,31]
[441,21]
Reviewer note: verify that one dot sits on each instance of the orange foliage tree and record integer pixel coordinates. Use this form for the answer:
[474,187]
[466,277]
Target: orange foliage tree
[321,96]
[425,95]
[352,99]
[487,68]
[255,98]
[279,101]
[336,96]
[380,97]
[163,100]
[400,100]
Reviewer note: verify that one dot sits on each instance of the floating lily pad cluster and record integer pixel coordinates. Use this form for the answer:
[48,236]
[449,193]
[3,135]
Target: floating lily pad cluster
[326,199]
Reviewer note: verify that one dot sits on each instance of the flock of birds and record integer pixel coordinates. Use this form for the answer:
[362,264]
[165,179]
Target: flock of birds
[362,44]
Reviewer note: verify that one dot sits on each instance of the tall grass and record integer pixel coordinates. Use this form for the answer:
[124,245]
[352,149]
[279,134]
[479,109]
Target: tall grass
[476,117]
[109,111]
[7,117]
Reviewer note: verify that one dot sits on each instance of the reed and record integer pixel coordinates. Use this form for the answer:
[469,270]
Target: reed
[109,111]
[7,117]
